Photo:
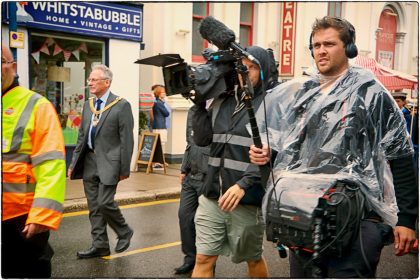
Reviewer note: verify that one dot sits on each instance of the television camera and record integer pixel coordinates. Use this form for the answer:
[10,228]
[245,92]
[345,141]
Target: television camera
[201,82]
[219,75]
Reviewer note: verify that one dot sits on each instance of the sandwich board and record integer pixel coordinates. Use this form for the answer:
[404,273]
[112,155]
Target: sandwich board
[150,151]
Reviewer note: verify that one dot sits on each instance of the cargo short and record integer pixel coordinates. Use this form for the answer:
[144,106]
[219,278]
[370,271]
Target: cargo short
[238,233]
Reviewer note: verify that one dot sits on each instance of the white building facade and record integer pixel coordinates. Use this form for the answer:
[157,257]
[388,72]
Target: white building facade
[385,31]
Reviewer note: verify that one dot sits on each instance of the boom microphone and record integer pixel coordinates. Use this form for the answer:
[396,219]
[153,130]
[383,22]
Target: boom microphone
[220,35]
[216,32]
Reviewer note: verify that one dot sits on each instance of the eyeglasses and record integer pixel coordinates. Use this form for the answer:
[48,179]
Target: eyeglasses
[94,80]
[7,62]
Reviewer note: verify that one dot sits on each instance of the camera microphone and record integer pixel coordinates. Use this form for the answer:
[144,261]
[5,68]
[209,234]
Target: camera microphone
[222,37]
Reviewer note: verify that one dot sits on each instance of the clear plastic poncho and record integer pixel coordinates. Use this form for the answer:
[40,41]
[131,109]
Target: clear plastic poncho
[346,134]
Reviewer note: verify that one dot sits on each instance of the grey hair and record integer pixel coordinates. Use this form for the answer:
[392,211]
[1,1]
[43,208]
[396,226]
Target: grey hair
[107,73]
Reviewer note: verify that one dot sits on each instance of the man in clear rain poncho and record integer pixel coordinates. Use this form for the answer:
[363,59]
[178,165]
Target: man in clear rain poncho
[340,125]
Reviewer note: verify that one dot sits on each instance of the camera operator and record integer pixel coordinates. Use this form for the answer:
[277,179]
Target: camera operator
[228,219]
[342,122]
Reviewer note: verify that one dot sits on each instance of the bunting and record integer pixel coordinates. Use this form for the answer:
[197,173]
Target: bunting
[83,47]
[76,54]
[67,55]
[57,50]
[35,55]
[44,49]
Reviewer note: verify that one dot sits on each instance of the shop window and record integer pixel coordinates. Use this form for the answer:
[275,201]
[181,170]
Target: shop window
[59,67]
[334,9]
[200,11]
[246,24]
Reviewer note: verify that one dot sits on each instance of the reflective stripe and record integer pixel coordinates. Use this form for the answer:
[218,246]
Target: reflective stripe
[239,165]
[232,139]
[16,157]
[48,204]
[233,164]
[220,138]
[52,155]
[23,121]
[214,161]
[19,187]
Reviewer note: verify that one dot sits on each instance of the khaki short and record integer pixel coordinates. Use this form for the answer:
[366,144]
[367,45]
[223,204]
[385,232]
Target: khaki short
[238,233]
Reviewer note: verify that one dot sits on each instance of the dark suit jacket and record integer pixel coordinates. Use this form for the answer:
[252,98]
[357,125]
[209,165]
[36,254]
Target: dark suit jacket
[114,142]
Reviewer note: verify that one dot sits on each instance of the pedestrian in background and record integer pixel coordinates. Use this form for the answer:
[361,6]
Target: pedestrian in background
[193,174]
[342,125]
[401,98]
[102,158]
[160,113]
[33,176]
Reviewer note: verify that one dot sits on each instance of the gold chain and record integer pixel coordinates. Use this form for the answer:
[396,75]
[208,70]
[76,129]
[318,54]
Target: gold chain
[94,111]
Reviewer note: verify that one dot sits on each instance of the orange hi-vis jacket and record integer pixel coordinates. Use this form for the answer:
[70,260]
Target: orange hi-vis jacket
[33,159]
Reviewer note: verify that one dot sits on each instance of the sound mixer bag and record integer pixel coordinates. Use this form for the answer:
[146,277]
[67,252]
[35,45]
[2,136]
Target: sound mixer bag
[297,201]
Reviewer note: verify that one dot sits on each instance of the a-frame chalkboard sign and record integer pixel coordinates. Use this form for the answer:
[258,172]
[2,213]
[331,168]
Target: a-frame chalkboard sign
[150,151]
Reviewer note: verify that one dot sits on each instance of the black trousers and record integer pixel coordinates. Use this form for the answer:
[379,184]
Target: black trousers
[361,262]
[191,190]
[21,257]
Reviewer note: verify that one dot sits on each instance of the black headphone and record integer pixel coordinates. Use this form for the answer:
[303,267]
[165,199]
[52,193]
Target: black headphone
[350,48]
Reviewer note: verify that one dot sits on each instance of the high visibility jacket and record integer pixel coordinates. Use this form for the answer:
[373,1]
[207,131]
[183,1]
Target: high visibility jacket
[33,159]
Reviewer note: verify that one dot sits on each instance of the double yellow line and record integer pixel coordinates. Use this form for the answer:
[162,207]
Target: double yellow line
[142,204]
[138,251]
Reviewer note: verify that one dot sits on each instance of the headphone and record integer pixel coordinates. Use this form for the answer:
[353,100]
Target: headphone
[350,48]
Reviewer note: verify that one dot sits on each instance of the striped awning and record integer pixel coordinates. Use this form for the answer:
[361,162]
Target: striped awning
[390,78]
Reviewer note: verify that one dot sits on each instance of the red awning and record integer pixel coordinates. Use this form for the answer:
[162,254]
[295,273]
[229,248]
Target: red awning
[391,79]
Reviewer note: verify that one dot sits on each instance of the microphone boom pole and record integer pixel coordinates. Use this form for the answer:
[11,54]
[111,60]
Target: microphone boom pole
[249,92]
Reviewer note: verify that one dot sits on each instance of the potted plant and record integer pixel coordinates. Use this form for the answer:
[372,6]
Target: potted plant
[143,121]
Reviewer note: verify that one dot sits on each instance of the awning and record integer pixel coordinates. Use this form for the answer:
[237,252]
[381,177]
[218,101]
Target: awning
[390,78]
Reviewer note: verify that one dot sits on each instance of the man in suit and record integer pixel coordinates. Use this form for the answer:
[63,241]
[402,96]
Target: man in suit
[102,158]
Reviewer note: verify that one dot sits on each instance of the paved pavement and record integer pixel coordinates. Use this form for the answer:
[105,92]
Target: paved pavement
[139,187]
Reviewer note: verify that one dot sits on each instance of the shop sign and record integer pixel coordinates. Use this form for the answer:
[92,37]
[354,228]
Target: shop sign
[287,40]
[87,18]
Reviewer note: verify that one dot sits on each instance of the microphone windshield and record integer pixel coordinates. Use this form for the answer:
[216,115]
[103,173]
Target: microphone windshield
[216,33]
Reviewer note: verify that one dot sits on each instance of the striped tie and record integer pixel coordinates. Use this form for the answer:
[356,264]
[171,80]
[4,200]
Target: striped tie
[93,131]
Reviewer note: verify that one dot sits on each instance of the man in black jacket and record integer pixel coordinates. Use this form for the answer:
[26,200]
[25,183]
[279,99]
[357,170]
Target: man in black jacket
[228,219]
[340,124]
[193,174]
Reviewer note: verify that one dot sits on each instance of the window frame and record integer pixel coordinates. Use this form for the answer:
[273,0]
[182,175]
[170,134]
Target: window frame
[332,6]
[248,25]
[205,44]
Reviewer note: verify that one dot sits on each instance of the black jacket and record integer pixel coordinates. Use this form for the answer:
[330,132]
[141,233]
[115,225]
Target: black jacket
[195,160]
[230,141]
